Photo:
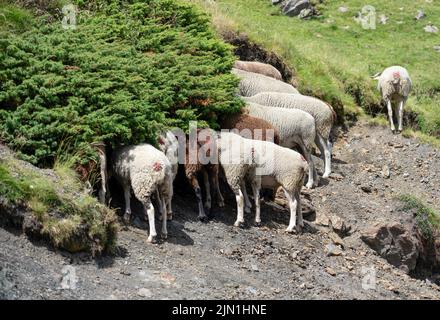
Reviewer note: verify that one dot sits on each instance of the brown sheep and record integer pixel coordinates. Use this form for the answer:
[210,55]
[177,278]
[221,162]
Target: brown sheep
[243,121]
[208,170]
[259,67]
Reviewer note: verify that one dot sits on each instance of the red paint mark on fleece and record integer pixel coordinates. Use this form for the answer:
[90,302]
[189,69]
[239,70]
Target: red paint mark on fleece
[157,166]
[396,74]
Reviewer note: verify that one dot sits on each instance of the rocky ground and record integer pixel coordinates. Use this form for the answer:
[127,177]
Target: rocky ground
[217,261]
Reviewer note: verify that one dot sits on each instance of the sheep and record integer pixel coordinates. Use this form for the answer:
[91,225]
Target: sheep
[144,169]
[251,127]
[253,83]
[238,160]
[193,168]
[264,164]
[259,67]
[295,127]
[169,145]
[323,113]
[394,84]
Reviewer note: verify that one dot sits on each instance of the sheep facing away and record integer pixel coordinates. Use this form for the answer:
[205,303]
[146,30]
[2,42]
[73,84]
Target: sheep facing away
[193,167]
[295,128]
[146,170]
[394,84]
[251,127]
[252,83]
[264,164]
[259,67]
[322,112]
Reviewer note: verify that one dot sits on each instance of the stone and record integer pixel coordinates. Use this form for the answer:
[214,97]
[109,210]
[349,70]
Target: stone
[420,15]
[386,172]
[145,293]
[330,271]
[437,48]
[333,250]
[339,226]
[336,239]
[293,8]
[395,243]
[343,9]
[383,19]
[430,28]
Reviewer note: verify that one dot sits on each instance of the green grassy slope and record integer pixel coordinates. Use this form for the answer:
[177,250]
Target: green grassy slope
[334,56]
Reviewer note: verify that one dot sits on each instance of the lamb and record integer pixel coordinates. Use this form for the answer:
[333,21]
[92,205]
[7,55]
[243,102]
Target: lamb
[394,84]
[259,67]
[323,113]
[193,168]
[295,127]
[251,127]
[253,83]
[263,164]
[144,169]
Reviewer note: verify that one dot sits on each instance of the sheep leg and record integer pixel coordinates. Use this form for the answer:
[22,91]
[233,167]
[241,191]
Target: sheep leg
[149,208]
[312,171]
[127,195]
[219,196]
[169,208]
[240,204]
[159,203]
[256,191]
[247,203]
[198,192]
[400,116]
[390,115]
[207,191]
[293,204]
[326,155]
[164,218]
[299,211]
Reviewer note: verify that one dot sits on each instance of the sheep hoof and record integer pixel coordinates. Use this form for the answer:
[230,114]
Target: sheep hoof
[170,216]
[221,204]
[326,175]
[203,218]
[258,223]
[309,186]
[247,209]
[399,131]
[126,218]
[290,230]
[151,239]
[164,235]
[238,224]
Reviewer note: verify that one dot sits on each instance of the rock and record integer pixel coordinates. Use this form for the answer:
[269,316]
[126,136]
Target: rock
[339,225]
[330,271]
[437,48]
[306,13]
[398,245]
[254,268]
[343,9]
[366,189]
[336,239]
[333,250]
[145,293]
[430,28]
[385,172]
[293,8]
[383,19]
[420,15]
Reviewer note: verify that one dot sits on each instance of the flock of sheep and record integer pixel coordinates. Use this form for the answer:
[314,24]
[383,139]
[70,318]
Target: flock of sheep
[256,151]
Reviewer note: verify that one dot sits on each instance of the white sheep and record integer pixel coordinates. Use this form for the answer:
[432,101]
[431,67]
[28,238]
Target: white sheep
[322,112]
[238,160]
[295,128]
[253,83]
[259,67]
[169,145]
[144,169]
[394,83]
[271,166]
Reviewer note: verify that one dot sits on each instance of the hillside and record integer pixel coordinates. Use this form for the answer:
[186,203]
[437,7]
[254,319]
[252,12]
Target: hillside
[333,57]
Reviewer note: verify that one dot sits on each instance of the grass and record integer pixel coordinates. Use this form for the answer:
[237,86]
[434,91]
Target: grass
[427,219]
[14,18]
[334,57]
[60,204]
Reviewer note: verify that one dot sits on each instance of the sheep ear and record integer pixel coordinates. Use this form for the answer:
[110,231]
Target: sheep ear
[376,76]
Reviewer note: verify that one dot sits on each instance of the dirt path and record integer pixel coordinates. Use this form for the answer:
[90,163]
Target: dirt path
[216,260]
